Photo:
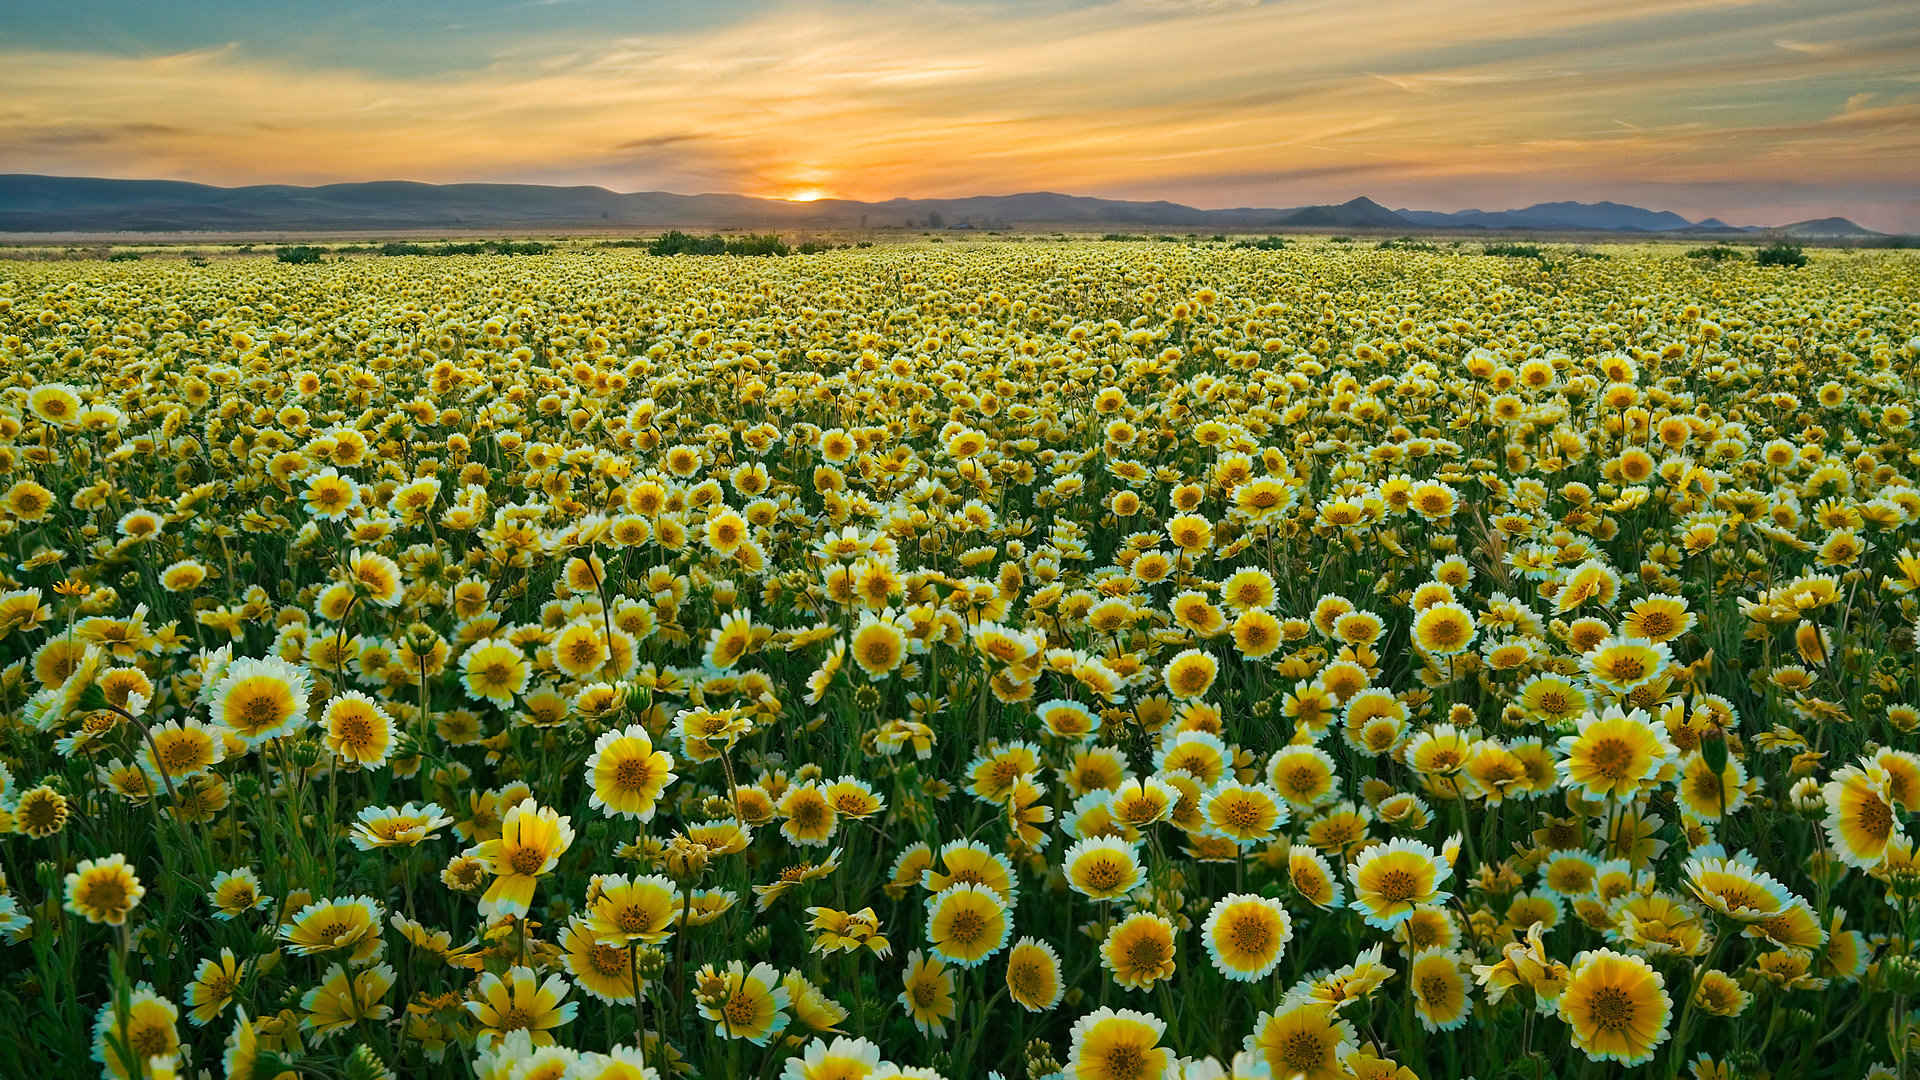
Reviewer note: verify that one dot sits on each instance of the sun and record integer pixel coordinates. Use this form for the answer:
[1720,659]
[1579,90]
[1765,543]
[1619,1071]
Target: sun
[807,195]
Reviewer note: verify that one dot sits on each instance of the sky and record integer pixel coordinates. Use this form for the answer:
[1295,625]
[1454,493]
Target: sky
[1758,113]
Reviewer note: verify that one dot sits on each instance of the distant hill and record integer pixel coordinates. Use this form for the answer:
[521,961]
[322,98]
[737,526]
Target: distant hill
[1826,228]
[30,203]
[1605,216]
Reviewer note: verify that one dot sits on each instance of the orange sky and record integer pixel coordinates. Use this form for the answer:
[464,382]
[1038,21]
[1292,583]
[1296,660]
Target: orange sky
[1758,113]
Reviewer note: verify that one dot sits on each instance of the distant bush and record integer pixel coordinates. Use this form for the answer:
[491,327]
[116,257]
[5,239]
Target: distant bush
[124,256]
[1264,243]
[1406,243]
[1780,253]
[1342,239]
[1121,236]
[757,244]
[299,255]
[475,247]
[1715,253]
[1517,251]
[679,243]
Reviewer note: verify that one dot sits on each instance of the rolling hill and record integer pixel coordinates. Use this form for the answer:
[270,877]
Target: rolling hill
[32,203]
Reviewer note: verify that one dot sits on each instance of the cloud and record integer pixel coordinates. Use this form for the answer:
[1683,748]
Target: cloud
[1213,103]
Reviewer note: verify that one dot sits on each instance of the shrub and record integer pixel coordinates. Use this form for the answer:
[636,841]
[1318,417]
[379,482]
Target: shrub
[1780,253]
[299,255]
[1714,253]
[1516,251]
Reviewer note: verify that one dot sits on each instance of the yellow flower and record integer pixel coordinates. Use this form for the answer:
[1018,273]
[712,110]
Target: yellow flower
[125,1041]
[1444,629]
[1246,935]
[626,774]
[1617,1007]
[928,997]
[643,909]
[519,1002]
[104,890]
[262,699]
[1391,879]
[1302,1039]
[1118,1044]
[743,1003]
[403,826]
[966,924]
[358,730]
[1033,975]
[1138,951]
[532,839]
[1440,992]
[1860,819]
[494,670]
[602,970]
[1615,753]
[376,576]
[1102,867]
[351,923]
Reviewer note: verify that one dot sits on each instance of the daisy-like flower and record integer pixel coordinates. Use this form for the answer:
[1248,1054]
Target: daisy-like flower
[260,700]
[1246,935]
[376,577]
[626,774]
[104,890]
[1302,1039]
[358,730]
[182,749]
[520,1002]
[1247,814]
[643,909]
[842,1059]
[1102,867]
[602,970]
[1622,665]
[1138,951]
[743,1003]
[494,670]
[1734,887]
[236,892]
[1615,753]
[125,1040]
[1441,996]
[928,996]
[532,839]
[1860,819]
[348,923]
[1118,1044]
[966,924]
[401,826]
[1617,1007]
[1033,975]
[1391,879]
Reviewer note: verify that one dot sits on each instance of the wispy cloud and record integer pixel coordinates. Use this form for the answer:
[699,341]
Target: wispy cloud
[1214,103]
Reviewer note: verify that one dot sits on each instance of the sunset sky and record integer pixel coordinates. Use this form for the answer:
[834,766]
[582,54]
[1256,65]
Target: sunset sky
[1760,113]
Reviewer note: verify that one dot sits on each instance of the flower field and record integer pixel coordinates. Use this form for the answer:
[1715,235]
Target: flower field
[1109,660]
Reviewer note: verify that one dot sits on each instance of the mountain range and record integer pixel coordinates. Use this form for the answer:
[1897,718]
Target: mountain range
[31,203]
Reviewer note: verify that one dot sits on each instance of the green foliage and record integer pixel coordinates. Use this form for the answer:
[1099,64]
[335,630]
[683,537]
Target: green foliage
[1515,251]
[300,255]
[1264,243]
[1780,253]
[679,243]
[1715,253]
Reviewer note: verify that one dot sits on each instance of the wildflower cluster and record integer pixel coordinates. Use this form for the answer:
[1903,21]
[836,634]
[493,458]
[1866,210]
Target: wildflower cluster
[1017,658]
